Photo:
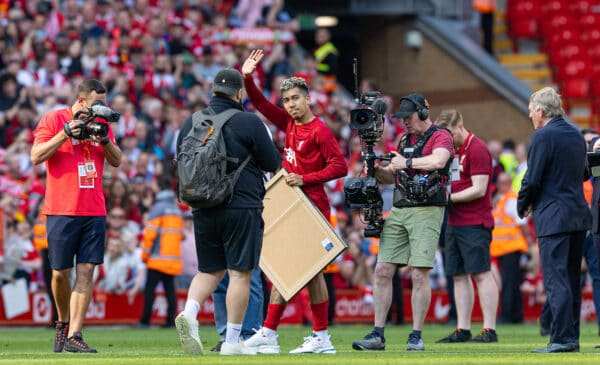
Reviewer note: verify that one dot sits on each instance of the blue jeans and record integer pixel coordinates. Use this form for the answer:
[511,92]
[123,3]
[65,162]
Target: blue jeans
[254,313]
[591,259]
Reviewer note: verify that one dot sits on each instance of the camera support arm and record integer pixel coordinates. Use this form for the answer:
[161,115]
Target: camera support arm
[370,157]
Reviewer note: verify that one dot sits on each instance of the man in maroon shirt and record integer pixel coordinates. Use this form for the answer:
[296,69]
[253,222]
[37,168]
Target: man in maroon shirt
[469,232]
[312,157]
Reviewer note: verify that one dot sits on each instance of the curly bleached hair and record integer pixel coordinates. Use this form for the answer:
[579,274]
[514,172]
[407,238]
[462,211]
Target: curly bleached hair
[293,82]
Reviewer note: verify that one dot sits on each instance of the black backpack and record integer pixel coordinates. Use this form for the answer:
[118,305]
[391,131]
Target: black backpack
[202,159]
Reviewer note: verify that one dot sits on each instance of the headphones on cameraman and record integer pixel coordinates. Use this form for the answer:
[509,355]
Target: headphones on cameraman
[422,110]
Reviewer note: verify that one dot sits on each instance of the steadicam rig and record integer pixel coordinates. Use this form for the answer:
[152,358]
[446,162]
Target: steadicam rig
[363,192]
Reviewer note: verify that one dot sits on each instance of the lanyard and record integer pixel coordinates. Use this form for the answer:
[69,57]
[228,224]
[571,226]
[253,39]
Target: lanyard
[465,144]
[85,146]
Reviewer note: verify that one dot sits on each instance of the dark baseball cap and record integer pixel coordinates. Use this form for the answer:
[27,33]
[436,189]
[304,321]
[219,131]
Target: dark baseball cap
[410,104]
[228,81]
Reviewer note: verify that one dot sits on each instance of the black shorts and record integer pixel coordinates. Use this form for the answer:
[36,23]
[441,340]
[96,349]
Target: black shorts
[467,249]
[228,238]
[70,238]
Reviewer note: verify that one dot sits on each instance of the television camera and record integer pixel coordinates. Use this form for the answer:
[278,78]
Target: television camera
[93,127]
[363,192]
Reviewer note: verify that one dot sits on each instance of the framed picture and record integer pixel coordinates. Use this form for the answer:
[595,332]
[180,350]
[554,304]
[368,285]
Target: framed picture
[298,240]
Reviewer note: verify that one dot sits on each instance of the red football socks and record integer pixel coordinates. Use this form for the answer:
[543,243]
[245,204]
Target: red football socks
[274,314]
[320,313]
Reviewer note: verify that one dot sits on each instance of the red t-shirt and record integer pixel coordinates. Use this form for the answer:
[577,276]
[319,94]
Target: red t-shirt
[311,149]
[439,139]
[474,159]
[69,189]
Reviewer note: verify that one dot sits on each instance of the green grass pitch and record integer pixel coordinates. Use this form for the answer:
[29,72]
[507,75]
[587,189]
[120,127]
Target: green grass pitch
[122,345]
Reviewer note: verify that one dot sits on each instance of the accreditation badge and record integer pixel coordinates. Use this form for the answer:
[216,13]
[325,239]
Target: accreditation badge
[454,169]
[86,179]
[90,169]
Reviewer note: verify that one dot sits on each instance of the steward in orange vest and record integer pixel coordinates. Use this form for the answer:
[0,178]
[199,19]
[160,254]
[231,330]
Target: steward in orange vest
[485,6]
[161,251]
[507,236]
[40,242]
[510,239]
[40,238]
[161,246]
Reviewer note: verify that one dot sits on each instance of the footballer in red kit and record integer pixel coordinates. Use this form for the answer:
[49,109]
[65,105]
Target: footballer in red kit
[312,157]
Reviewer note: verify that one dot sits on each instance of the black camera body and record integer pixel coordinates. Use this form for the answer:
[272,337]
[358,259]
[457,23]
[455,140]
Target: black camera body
[364,117]
[92,127]
[367,118]
[363,192]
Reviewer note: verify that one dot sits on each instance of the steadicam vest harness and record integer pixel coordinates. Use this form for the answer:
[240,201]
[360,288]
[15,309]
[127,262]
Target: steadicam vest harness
[420,187]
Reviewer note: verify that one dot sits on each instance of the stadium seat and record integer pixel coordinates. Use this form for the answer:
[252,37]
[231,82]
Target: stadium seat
[590,37]
[553,7]
[556,23]
[589,21]
[576,68]
[593,52]
[526,28]
[558,39]
[594,71]
[595,88]
[523,8]
[560,55]
[576,88]
[583,6]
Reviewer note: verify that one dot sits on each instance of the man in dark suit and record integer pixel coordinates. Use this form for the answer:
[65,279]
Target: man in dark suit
[553,190]
[594,146]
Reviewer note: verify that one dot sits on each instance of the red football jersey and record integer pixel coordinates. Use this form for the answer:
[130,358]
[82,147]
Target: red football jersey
[474,159]
[310,149]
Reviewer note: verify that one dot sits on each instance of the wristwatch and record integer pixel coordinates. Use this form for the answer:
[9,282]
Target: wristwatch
[409,163]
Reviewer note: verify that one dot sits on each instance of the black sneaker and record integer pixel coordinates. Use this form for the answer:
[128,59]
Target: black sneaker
[485,336]
[456,336]
[415,343]
[62,329]
[76,343]
[372,341]
[217,347]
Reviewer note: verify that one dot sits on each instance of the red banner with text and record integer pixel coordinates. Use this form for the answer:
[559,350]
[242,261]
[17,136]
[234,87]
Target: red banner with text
[350,308]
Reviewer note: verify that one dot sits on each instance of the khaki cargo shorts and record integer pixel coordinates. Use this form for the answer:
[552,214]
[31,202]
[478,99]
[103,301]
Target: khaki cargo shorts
[411,235]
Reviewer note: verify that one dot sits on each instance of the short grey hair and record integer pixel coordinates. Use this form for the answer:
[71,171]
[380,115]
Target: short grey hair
[293,82]
[549,101]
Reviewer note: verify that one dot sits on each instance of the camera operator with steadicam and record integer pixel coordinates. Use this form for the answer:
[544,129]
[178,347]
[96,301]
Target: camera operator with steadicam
[363,192]
[74,151]
[419,172]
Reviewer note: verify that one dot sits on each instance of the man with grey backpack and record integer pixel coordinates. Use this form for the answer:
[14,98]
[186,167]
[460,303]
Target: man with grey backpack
[221,155]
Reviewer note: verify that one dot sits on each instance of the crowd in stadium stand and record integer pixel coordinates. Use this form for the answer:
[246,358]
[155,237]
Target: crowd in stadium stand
[158,60]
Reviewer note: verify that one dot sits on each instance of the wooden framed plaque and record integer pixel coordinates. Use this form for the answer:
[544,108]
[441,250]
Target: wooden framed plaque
[298,241]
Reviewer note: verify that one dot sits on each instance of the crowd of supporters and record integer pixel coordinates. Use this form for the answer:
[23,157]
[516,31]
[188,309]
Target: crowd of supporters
[158,59]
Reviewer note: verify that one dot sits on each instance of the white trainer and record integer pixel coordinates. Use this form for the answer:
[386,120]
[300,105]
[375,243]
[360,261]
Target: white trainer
[262,343]
[188,334]
[313,344]
[238,349]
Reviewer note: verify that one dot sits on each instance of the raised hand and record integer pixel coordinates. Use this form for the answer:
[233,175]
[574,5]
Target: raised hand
[250,64]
